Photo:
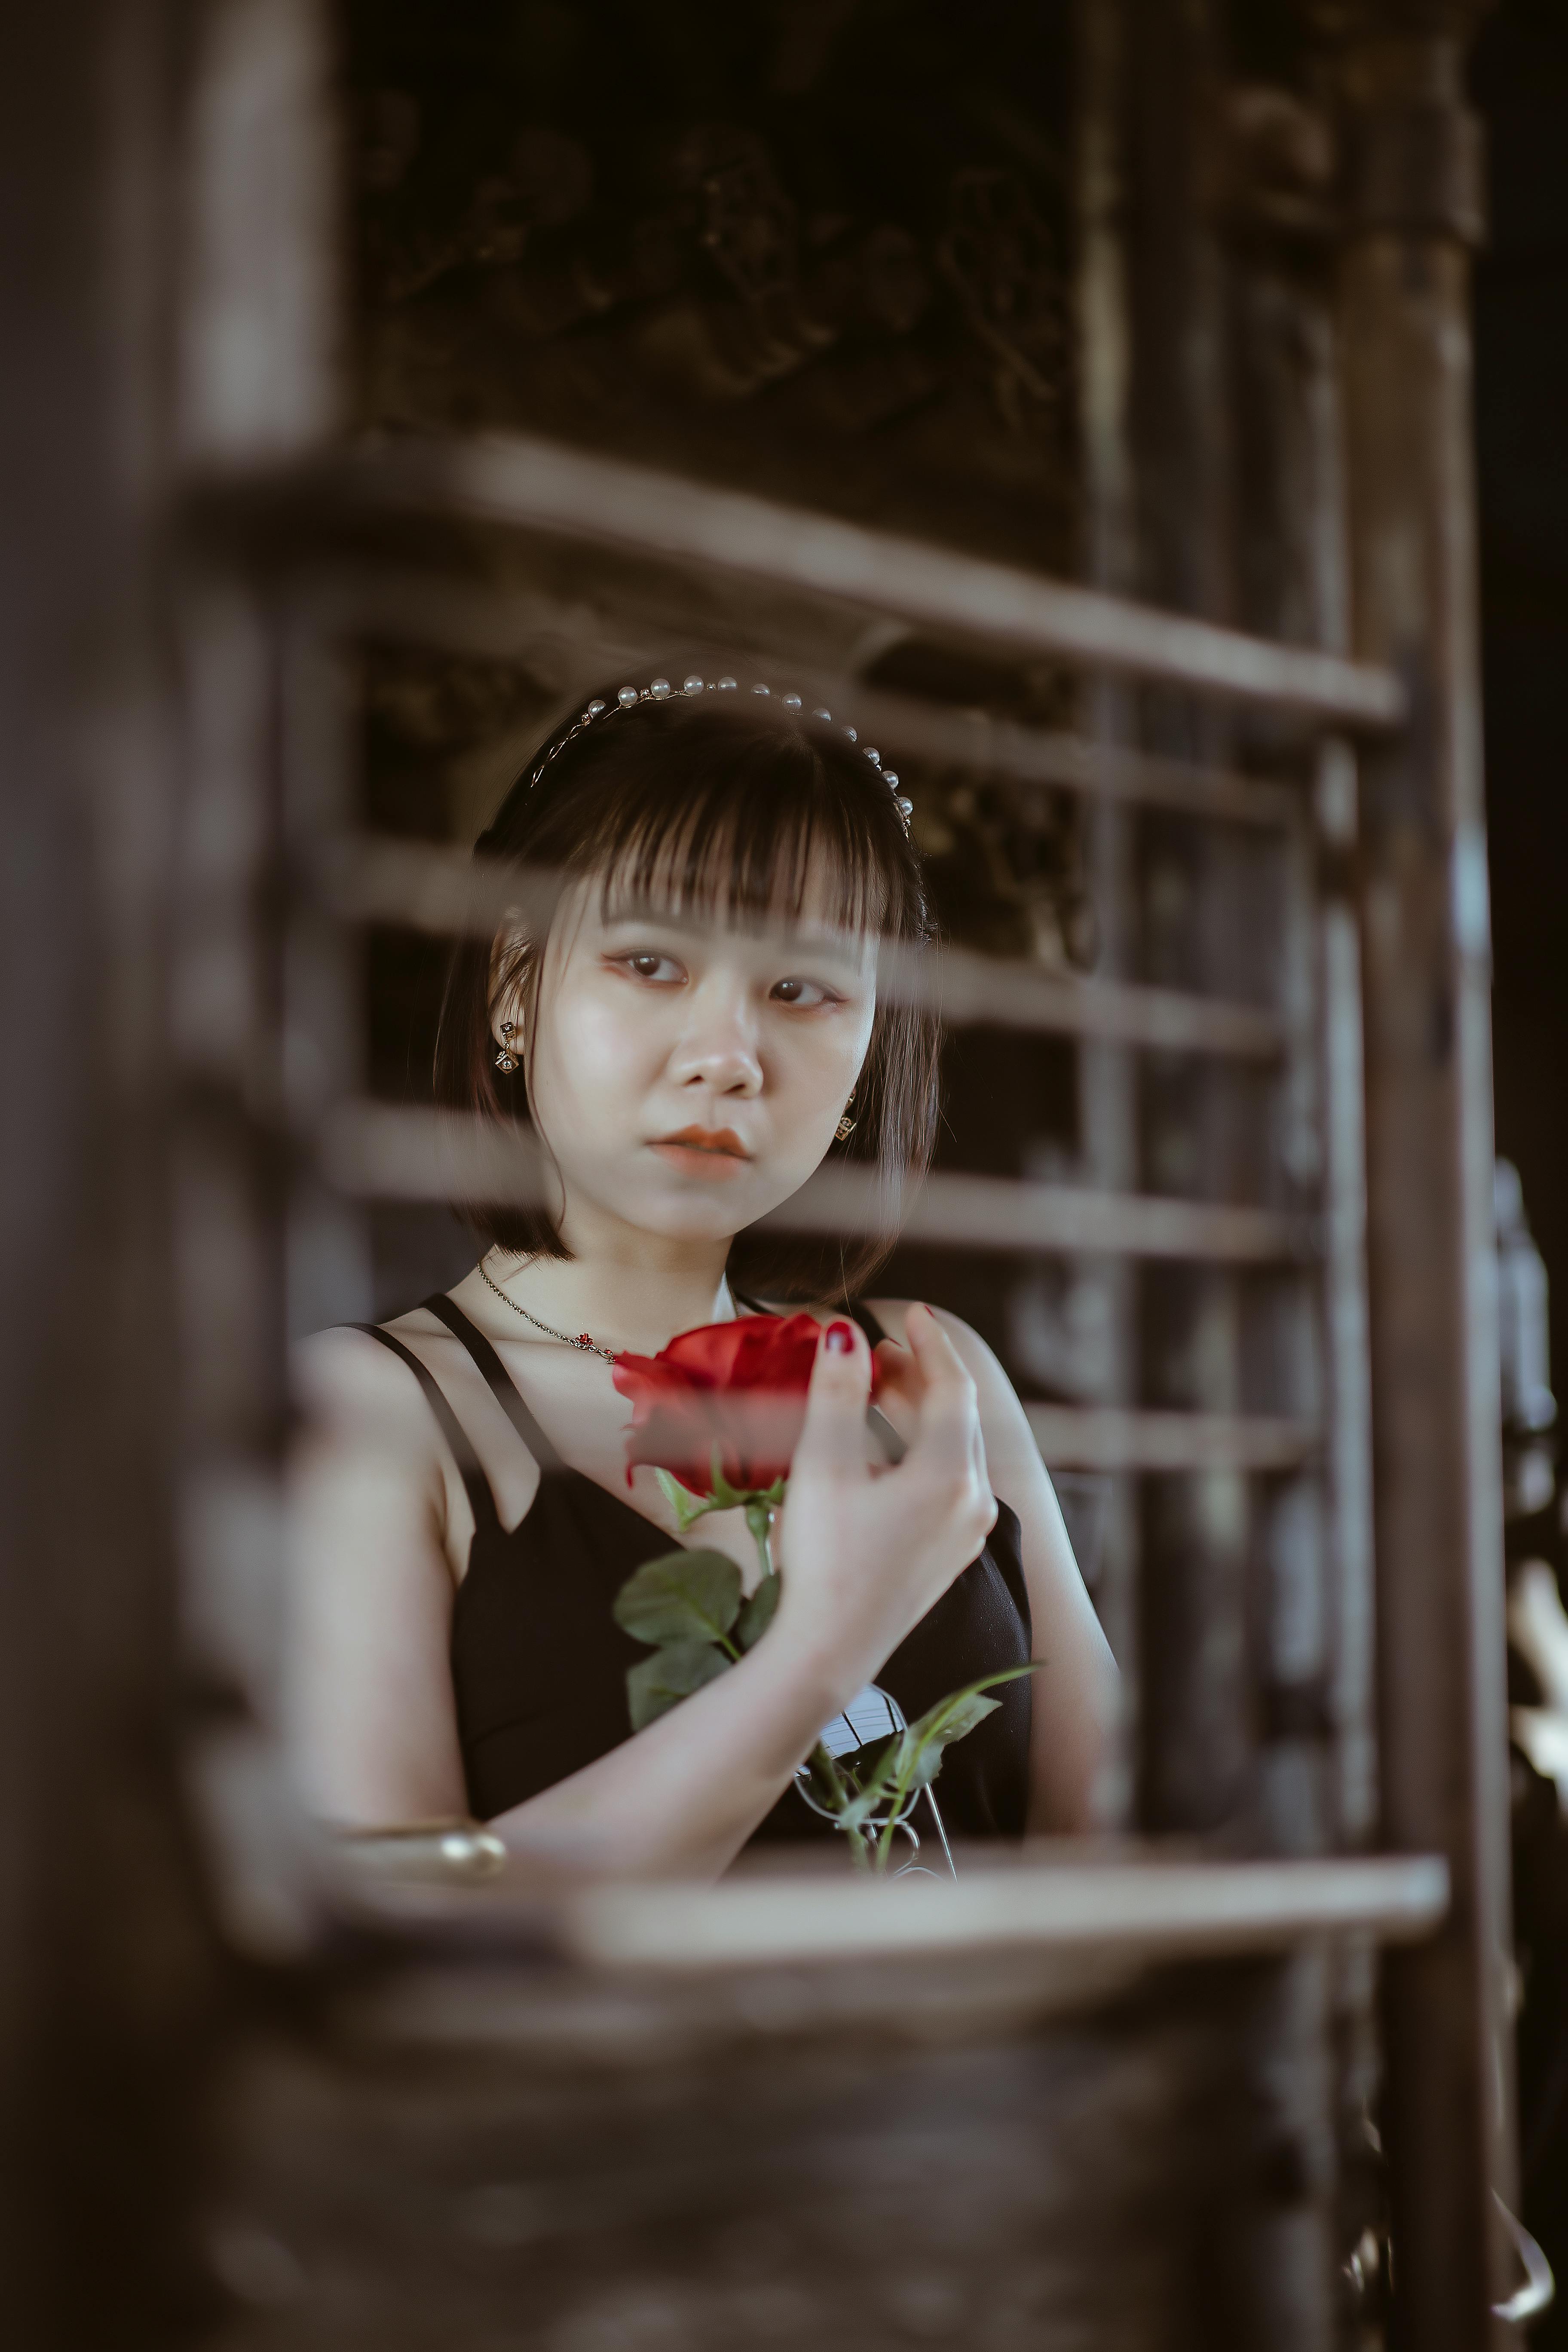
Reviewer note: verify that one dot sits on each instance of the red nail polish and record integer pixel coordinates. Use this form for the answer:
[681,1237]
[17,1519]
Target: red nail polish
[840,1338]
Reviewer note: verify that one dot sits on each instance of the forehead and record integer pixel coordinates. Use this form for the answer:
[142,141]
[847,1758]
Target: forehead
[807,894]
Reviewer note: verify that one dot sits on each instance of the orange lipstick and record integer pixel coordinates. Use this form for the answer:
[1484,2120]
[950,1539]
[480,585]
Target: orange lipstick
[704,1152]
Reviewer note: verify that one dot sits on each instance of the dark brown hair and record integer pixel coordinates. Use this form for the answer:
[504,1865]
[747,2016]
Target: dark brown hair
[712,801]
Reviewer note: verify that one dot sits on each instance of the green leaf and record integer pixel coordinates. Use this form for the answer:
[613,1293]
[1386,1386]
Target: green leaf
[911,1760]
[672,1674]
[758,1614]
[864,1765]
[825,1778]
[951,1719]
[683,1596]
[871,1772]
[957,1715]
[686,1506]
[926,1745]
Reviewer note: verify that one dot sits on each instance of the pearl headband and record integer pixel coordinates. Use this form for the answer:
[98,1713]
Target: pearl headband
[660,690]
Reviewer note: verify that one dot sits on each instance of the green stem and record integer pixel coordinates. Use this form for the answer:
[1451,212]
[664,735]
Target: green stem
[885,1842]
[825,1764]
[759,1519]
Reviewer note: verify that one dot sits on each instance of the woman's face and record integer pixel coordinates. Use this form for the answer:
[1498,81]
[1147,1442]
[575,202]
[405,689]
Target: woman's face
[687,1074]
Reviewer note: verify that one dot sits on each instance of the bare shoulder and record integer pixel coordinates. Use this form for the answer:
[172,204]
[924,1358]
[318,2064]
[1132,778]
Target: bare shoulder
[346,1377]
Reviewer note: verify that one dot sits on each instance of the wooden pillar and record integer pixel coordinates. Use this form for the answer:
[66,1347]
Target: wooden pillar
[1194,1759]
[1412,186]
[1107,1074]
[106,1978]
[1209,920]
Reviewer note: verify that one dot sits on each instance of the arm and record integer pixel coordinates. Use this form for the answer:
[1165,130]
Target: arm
[865,1554]
[1076,1690]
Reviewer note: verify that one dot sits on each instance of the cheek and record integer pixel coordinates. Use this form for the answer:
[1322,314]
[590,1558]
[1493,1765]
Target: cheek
[588,1056]
[817,1071]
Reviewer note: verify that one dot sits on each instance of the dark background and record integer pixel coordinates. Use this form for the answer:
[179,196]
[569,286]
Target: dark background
[1520,83]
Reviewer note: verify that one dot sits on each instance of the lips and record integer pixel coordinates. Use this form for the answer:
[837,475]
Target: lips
[708,1155]
[720,1142]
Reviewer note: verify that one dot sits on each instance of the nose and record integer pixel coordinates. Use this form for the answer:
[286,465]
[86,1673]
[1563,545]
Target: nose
[719,1046]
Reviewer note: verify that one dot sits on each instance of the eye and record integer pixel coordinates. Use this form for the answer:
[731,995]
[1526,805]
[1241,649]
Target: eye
[807,992]
[647,963]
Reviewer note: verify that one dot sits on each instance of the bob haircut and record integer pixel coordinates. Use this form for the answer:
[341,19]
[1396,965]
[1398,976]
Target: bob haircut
[724,803]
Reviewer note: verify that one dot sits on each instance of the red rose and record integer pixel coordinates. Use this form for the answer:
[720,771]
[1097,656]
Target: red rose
[739,1386]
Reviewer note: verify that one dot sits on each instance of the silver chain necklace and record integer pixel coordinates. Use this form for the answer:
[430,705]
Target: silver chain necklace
[587,1346]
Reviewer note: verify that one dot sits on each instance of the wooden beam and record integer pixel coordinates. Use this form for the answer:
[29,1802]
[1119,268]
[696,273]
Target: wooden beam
[504,623]
[1118,1437]
[519,482]
[1414,199]
[1161,1910]
[382,1151]
[444,892]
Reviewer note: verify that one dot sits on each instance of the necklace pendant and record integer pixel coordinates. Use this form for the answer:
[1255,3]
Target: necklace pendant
[584,1340]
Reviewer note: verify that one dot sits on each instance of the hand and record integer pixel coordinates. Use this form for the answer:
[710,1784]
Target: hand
[901,1386]
[865,1551]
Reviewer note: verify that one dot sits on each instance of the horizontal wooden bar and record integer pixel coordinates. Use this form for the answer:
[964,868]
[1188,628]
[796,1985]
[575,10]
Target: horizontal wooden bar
[398,603]
[973,991]
[442,891]
[430,887]
[1164,1910]
[521,482]
[992,1212]
[385,1151]
[1112,1437]
[1068,762]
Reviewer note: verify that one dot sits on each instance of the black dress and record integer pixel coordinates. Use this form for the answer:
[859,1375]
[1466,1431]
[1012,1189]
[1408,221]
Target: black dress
[539,1664]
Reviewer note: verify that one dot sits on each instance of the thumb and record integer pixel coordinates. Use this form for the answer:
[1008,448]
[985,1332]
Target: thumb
[834,1435]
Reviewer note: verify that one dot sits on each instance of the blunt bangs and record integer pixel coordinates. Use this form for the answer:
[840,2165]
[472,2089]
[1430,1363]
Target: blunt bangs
[721,811]
[737,810]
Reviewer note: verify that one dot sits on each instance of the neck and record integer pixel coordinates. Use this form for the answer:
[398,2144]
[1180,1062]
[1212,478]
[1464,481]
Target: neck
[635,1300]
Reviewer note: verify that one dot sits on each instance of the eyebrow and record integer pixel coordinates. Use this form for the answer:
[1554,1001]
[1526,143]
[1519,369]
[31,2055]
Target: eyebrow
[642,908]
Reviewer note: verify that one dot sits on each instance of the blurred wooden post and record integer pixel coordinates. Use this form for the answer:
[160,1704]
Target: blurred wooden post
[1107,1074]
[106,1980]
[1193,1750]
[1414,184]
[1210,920]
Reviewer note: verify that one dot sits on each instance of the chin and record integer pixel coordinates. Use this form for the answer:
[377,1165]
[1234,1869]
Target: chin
[685,1216]
[692,1220]
[689,1217]
[683,1208]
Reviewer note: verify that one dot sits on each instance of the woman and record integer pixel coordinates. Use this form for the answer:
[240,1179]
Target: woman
[696,1025]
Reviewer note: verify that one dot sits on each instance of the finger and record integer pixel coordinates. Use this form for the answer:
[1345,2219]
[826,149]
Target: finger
[833,1437]
[901,1384]
[898,1367]
[948,1418]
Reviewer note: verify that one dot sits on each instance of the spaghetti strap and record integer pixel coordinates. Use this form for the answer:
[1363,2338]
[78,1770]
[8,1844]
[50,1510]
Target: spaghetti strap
[753,1305]
[502,1387]
[857,1308]
[476,1485]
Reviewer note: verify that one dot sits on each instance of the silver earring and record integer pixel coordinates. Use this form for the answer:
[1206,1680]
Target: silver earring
[506,1059]
[846,1125]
